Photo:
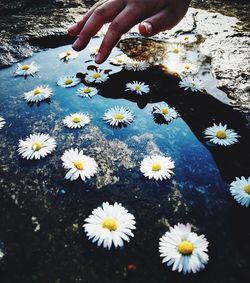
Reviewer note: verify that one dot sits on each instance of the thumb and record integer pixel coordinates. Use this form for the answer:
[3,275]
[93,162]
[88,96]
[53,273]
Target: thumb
[161,21]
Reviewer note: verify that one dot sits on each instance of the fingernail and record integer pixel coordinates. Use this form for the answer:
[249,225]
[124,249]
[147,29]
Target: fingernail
[98,57]
[148,27]
[77,44]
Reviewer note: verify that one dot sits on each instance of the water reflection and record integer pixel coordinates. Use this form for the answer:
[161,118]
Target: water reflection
[197,193]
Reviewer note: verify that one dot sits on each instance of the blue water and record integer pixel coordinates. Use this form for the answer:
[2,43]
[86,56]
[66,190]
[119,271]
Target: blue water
[197,193]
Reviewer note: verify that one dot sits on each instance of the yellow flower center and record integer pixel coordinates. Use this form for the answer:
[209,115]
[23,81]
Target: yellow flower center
[68,53]
[164,111]
[68,81]
[193,84]
[120,61]
[118,116]
[176,50]
[186,38]
[137,87]
[187,67]
[247,189]
[76,119]
[185,247]
[87,90]
[96,75]
[37,91]
[36,146]
[110,224]
[221,135]
[25,67]
[156,166]
[79,165]
[136,64]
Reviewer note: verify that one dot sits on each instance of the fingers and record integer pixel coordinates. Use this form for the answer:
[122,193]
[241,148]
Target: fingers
[101,15]
[76,28]
[162,20]
[120,25]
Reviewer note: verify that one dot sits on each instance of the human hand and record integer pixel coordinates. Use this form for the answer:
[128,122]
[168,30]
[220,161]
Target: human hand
[155,16]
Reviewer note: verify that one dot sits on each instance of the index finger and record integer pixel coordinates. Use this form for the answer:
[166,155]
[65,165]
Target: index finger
[120,25]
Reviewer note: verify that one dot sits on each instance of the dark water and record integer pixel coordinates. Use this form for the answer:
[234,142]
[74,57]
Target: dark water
[198,192]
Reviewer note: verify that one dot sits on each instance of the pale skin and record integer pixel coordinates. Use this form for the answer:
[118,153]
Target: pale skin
[154,16]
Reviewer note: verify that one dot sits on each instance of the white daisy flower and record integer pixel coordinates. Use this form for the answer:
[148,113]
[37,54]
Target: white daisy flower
[87,91]
[138,87]
[191,83]
[118,116]
[157,167]
[68,55]
[78,165]
[94,50]
[188,68]
[136,65]
[38,94]
[76,120]
[26,70]
[1,254]
[110,224]
[240,190]
[219,134]
[2,122]
[183,249]
[119,60]
[36,146]
[96,76]
[176,50]
[187,38]
[68,81]
[167,112]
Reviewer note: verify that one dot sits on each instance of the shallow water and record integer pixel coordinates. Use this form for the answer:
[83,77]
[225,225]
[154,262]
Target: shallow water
[198,192]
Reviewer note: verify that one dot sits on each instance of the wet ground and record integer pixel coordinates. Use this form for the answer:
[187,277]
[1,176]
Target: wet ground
[41,214]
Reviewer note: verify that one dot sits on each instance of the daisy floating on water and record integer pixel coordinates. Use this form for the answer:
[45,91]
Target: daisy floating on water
[165,111]
[118,116]
[157,167]
[76,120]
[138,87]
[188,68]
[38,94]
[94,50]
[97,76]
[87,91]
[68,55]
[135,65]
[183,249]
[36,146]
[2,122]
[26,70]
[221,135]
[187,38]
[191,83]
[68,81]
[240,190]
[119,60]
[176,50]
[78,165]
[110,224]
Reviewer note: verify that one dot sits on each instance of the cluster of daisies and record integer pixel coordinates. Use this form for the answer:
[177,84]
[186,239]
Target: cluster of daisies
[112,225]
[37,146]
[183,250]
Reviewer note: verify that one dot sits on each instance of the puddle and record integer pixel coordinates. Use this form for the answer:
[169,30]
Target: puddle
[35,194]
